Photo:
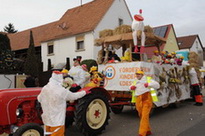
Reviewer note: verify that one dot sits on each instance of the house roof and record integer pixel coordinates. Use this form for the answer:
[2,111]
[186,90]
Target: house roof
[186,42]
[4,33]
[77,20]
[161,31]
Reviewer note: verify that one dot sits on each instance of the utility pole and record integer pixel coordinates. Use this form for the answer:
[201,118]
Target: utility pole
[81,2]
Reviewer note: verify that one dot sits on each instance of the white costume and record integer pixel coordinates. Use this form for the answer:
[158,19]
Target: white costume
[87,77]
[193,76]
[136,26]
[53,99]
[141,89]
[78,75]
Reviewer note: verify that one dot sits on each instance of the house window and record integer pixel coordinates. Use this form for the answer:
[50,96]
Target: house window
[197,45]
[80,43]
[120,21]
[50,48]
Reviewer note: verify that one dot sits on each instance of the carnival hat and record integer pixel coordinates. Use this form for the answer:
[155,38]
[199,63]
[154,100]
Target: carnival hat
[140,72]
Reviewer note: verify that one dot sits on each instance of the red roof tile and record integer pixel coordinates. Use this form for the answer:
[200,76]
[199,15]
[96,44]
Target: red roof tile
[186,42]
[77,20]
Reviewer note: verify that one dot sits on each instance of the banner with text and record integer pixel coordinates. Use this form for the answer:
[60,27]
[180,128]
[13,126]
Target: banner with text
[119,76]
[173,79]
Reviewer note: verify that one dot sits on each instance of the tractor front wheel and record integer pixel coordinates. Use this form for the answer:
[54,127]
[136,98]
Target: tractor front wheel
[29,129]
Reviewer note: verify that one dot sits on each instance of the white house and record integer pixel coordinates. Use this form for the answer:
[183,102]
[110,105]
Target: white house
[74,33]
[191,43]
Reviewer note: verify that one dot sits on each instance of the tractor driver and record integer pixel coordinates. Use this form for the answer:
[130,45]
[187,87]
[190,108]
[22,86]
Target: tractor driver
[78,75]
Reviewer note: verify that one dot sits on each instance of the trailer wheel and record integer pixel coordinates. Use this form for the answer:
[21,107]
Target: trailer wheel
[117,109]
[29,129]
[175,105]
[92,113]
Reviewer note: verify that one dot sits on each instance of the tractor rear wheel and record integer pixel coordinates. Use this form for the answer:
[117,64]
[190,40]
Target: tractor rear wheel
[68,121]
[29,129]
[92,113]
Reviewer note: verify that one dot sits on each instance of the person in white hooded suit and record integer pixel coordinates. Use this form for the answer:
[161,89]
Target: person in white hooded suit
[53,99]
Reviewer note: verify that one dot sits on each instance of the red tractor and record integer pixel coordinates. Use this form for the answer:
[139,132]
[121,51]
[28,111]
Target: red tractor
[21,112]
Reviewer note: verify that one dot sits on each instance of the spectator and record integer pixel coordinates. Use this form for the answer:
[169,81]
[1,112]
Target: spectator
[195,86]
[30,81]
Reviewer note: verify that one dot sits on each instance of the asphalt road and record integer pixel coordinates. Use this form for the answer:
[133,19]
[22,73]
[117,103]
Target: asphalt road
[186,120]
[167,121]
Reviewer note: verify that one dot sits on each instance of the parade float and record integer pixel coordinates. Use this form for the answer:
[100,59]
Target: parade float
[119,75]
[21,113]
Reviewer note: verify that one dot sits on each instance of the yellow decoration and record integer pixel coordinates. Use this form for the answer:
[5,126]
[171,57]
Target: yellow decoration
[93,68]
[181,57]
[156,51]
[163,52]
[95,80]
[127,56]
[65,71]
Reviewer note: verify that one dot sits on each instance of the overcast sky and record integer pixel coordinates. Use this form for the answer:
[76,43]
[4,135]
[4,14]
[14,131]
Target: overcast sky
[187,16]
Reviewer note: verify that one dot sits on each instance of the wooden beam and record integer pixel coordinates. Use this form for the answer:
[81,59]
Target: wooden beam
[130,46]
